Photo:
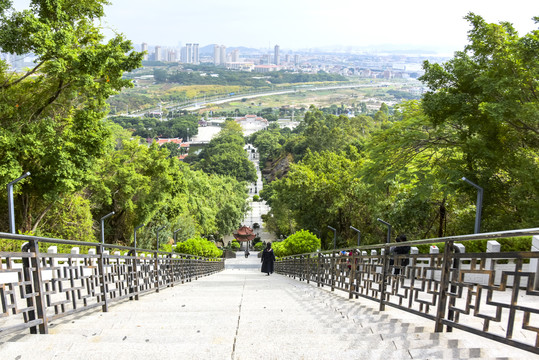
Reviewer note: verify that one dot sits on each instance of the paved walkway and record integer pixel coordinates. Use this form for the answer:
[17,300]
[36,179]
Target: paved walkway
[241,313]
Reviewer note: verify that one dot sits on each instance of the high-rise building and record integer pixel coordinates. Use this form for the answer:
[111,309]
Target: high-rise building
[216,55]
[144,48]
[296,59]
[223,55]
[235,56]
[189,55]
[276,57]
[157,53]
[195,54]
[287,58]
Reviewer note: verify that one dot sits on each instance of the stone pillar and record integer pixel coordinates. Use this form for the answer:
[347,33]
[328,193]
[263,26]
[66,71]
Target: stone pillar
[414,250]
[76,251]
[53,250]
[492,246]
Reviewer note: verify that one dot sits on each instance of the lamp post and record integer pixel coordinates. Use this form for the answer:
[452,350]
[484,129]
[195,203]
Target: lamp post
[135,234]
[159,229]
[334,237]
[358,234]
[10,201]
[103,226]
[479,205]
[174,235]
[388,240]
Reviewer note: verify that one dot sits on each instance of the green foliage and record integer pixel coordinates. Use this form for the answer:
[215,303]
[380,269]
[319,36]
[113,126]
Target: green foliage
[51,115]
[301,242]
[256,198]
[174,126]
[235,245]
[259,246]
[225,155]
[242,78]
[485,99]
[200,247]
[480,120]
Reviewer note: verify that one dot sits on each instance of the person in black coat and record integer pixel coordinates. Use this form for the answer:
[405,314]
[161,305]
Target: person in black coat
[400,250]
[268,257]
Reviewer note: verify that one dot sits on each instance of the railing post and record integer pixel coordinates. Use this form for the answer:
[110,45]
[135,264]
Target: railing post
[385,270]
[156,271]
[352,275]
[444,284]
[318,271]
[333,266]
[308,270]
[32,274]
[103,286]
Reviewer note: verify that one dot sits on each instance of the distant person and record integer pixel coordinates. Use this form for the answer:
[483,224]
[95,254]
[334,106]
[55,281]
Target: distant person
[268,257]
[247,253]
[400,250]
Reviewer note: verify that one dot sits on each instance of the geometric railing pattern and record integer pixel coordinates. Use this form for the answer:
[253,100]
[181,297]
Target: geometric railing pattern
[494,295]
[37,288]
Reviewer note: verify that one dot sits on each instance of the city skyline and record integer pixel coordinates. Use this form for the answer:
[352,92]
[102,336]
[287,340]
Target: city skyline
[304,24]
[309,24]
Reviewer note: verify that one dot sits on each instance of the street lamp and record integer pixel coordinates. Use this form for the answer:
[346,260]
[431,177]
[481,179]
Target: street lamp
[388,240]
[478,206]
[358,234]
[159,229]
[10,201]
[135,234]
[334,237]
[103,226]
[174,235]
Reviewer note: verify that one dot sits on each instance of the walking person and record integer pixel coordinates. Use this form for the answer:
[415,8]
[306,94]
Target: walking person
[268,257]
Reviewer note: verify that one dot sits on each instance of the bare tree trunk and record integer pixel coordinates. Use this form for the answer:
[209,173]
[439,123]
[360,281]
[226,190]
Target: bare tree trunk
[442,212]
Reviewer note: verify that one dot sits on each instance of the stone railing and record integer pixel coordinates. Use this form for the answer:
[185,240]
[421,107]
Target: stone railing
[37,288]
[472,292]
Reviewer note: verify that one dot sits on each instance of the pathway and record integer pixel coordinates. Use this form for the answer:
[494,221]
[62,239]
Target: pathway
[241,313]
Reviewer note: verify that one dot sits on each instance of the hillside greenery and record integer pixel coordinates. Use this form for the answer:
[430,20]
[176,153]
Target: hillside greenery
[479,120]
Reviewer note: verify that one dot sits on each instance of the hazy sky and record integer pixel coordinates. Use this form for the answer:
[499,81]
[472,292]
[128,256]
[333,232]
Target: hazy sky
[300,24]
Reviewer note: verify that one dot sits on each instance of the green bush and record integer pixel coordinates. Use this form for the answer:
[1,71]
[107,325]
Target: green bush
[259,246]
[235,245]
[200,247]
[256,198]
[301,242]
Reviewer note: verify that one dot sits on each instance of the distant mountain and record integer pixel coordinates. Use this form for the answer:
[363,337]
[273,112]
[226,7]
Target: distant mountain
[208,50]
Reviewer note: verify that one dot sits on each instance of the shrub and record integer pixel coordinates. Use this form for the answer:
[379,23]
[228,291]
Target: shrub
[235,245]
[259,246]
[256,198]
[200,247]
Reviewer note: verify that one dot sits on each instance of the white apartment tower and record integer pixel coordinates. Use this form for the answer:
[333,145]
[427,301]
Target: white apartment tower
[276,56]
[195,54]
[144,48]
[157,53]
[216,55]
[222,55]
[235,56]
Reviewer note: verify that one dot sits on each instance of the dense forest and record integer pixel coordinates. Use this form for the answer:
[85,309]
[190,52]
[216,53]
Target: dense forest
[479,120]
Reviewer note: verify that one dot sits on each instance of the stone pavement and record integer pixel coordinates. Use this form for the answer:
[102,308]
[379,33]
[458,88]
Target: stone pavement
[241,313]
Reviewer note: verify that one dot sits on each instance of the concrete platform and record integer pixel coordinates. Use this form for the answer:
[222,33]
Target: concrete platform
[242,313]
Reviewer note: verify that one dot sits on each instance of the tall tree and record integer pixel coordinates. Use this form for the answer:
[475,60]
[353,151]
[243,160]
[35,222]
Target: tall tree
[51,114]
[488,95]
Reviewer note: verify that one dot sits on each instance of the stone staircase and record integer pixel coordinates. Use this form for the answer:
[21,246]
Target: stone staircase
[241,313]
